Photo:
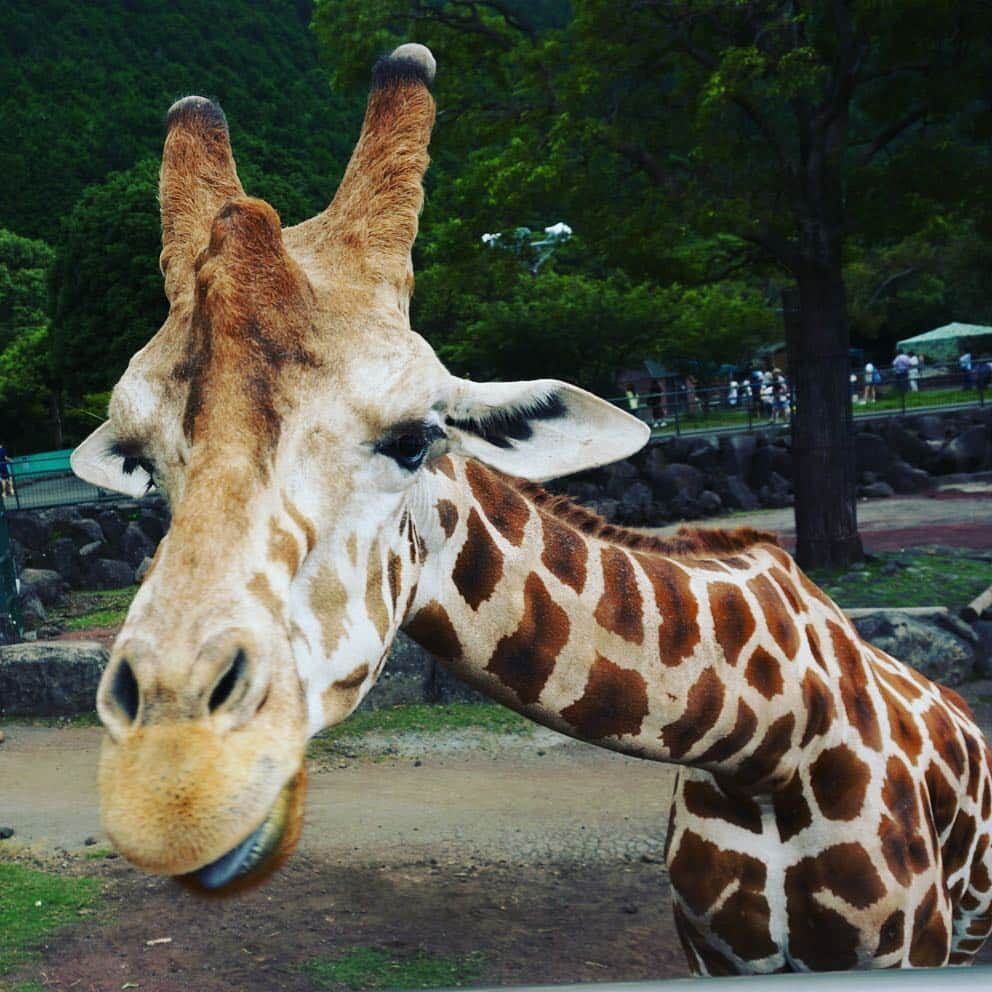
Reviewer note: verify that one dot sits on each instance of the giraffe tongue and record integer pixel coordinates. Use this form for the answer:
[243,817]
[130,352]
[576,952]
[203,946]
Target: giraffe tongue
[252,852]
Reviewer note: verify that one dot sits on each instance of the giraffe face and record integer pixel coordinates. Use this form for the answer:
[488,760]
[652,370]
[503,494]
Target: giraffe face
[297,427]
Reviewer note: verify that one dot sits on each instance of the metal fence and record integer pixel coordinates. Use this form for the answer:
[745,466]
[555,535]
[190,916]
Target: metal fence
[683,405]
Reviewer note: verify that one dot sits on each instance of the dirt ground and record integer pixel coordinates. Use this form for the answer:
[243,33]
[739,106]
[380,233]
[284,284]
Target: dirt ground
[540,855]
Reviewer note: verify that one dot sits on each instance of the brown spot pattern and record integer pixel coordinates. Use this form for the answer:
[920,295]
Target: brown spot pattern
[903,846]
[353,679]
[705,800]
[479,565]
[781,624]
[764,673]
[283,546]
[305,525]
[813,640]
[499,502]
[820,937]
[955,850]
[854,687]
[524,660]
[261,589]
[375,601]
[903,730]
[839,779]
[819,706]
[891,935]
[929,944]
[743,921]
[329,601]
[678,634]
[733,621]
[615,702]
[701,872]
[767,756]
[792,812]
[788,588]
[620,608]
[703,706]
[447,515]
[730,744]
[444,465]
[432,629]
[394,570]
[565,553]
[943,800]
[944,737]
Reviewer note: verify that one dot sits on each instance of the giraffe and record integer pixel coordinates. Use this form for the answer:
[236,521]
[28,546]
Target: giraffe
[331,483]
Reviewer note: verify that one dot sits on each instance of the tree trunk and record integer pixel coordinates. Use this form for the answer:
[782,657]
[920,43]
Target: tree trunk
[822,426]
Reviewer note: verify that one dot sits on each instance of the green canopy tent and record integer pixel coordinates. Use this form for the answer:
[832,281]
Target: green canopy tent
[945,344]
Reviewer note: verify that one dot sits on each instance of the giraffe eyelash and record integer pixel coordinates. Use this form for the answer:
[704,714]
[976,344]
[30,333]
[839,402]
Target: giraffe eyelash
[132,462]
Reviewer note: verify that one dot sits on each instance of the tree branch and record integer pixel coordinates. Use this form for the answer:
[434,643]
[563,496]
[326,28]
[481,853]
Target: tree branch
[890,133]
[884,285]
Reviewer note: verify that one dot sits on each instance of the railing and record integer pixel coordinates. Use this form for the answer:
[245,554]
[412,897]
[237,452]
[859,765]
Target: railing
[45,479]
[684,407]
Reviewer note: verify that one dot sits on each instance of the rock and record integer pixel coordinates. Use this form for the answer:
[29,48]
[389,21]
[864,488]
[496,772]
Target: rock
[3,736]
[937,644]
[83,531]
[33,612]
[710,503]
[908,445]
[968,452]
[61,555]
[142,570]
[736,453]
[678,481]
[905,479]
[736,494]
[152,526]
[136,546]
[635,503]
[871,453]
[877,490]
[983,649]
[931,427]
[28,529]
[44,583]
[107,573]
[705,455]
[619,477]
[6,833]
[50,678]
[112,527]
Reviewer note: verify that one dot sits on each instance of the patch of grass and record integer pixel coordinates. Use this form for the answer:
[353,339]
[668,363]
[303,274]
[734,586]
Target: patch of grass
[915,577]
[370,968]
[29,986]
[427,718]
[34,903]
[96,608]
[97,853]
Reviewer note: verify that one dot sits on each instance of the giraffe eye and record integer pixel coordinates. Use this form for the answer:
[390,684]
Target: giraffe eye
[409,448]
[133,463]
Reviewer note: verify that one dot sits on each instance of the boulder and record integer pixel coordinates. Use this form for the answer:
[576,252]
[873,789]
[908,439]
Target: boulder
[934,642]
[108,573]
[871,453]
[112,527]
[877,490]
[62,557]
[620,475]
[908,445]
[28,529]
[705,455]
[710,503]
[931,427]
[136,545]
[968,452]
[83,531]
[735,493]
[736,452]
[47,585]
[983,648]
[50,678]
[635,504]
[678,481]
[905,479]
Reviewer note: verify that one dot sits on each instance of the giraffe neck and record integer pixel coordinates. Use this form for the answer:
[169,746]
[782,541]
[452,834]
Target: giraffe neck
[691,651]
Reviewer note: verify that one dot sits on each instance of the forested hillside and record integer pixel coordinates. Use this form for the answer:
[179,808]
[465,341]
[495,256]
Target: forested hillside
[706,158]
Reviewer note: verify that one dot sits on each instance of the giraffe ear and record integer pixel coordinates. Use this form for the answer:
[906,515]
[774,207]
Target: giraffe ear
[99,461]
[539,430]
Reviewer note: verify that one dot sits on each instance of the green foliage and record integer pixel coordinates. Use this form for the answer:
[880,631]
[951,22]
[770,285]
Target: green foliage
[24,339]
[370,968]
[34,903]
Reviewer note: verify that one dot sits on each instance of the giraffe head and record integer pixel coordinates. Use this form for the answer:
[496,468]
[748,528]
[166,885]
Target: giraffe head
[297,426]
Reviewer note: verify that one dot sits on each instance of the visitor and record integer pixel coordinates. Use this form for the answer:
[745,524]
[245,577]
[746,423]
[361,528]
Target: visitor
[873,378]
[6,479]
[965,363]
[914,372]
[900,368]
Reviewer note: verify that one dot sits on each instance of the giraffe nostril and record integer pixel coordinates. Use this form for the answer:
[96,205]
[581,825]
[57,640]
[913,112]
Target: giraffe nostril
[124,691]
[230,681]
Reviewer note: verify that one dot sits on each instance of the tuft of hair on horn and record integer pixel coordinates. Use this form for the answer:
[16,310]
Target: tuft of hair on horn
[405,64]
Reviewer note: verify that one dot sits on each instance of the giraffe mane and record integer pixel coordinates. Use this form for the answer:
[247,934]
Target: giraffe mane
[688,542]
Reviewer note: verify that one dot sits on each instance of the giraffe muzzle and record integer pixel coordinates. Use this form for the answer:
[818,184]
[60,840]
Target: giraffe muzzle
[262,853]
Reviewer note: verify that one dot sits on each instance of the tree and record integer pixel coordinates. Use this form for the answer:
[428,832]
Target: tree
[25,380]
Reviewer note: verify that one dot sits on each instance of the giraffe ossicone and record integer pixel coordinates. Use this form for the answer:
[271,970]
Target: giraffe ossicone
[331,483]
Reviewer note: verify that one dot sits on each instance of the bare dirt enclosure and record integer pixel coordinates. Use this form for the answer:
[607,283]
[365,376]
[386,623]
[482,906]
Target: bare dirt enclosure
[540,856]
